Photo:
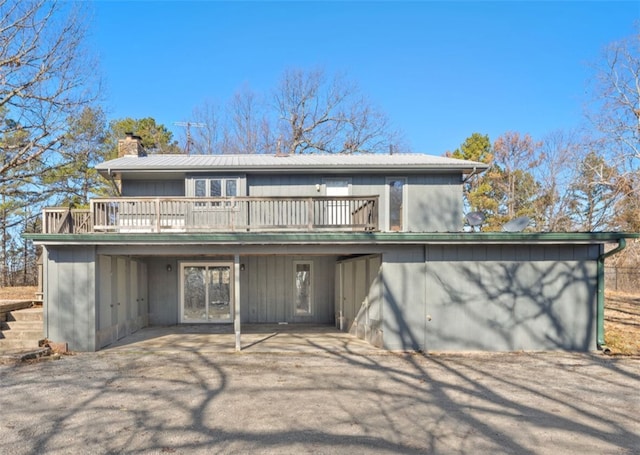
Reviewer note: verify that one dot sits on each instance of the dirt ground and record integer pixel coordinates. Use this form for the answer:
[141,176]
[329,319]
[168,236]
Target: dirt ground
[321,402]
[328,401]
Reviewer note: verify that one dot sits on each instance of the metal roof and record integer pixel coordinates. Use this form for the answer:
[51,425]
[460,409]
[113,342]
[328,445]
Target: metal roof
[275,163]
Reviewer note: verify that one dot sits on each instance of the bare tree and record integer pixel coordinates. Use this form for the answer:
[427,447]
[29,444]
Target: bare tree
[45,79]
[617,99]
[309,113]
[515,157]
[318,114]
[206,140]
[555,173]
[245,120]
[616,115]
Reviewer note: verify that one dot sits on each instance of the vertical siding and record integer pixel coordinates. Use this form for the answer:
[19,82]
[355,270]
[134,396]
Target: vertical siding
[163,300]
[403,290]
[122,295]
[70,300]
[159,188]
[107,332]
[283,185]
[360,283]
[511,297]
[267,289]
[434,203]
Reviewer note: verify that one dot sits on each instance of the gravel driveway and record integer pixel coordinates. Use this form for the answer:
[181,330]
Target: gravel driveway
[321,402]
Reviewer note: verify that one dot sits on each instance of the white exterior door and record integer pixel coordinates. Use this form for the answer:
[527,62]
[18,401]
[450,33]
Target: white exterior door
[337,211]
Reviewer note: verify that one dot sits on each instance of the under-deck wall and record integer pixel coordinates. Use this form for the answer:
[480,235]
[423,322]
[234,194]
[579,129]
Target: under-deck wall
[491,297]
[359,298]
[70,296]
[122,303]
[267,289]
[163,290]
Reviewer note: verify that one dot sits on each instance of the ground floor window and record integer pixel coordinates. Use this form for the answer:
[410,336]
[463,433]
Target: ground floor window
[303,288]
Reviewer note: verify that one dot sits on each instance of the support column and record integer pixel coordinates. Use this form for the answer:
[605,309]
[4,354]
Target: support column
[236,299]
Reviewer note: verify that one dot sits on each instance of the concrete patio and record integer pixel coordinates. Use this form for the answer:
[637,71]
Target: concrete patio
[208,338]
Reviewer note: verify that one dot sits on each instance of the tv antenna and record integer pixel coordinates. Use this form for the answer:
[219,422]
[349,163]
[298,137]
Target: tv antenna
[188,126]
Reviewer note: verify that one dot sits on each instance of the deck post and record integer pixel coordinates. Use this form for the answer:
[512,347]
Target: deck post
[236,299]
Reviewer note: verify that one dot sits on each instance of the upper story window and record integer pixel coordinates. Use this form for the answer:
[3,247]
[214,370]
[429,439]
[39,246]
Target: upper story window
[396,203]
[216,187]
[222,187]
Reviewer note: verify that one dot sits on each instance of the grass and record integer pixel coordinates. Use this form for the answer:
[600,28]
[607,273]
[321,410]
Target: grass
[18,292]
[622,323]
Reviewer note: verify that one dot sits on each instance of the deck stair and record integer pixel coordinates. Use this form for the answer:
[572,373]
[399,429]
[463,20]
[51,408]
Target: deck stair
[21,329]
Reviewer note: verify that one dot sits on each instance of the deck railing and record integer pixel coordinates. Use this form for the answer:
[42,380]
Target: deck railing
[348,213]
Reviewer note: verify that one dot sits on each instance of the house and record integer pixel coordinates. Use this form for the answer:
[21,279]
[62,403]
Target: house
[371,243]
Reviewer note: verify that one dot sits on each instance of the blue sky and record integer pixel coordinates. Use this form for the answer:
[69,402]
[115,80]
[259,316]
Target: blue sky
[440,70]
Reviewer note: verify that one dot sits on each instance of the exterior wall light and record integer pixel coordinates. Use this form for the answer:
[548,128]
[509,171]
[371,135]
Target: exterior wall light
[169,268]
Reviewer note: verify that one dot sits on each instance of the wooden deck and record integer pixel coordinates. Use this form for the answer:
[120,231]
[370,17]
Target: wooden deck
[237,214]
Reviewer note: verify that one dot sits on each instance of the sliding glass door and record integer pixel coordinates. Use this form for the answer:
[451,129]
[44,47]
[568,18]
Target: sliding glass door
[206,292]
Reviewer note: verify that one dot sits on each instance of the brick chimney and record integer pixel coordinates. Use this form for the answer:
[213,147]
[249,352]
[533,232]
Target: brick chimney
[131,145]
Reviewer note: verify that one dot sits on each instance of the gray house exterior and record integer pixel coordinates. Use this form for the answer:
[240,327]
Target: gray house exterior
[372,244]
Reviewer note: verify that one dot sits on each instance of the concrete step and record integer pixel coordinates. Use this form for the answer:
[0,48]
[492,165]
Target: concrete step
[27,314]
[17,345]
[21,326]
[28,334]
[22,330]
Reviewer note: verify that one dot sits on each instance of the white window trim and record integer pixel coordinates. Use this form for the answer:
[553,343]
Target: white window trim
[311,280]
[387,203]
[223,189]
[190,183]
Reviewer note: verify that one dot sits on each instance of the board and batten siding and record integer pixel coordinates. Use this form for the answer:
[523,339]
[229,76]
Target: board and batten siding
[267,289]
[70,295]
[433,203]
[164,289]
[153,188]
[359,298]
[122,303]
[491,297]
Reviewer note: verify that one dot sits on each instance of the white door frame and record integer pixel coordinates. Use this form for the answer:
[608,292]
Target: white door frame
[232,290]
